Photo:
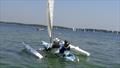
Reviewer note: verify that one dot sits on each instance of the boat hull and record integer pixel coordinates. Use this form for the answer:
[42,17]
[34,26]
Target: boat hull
[67,54]
[74,49]
[79,51]
[32,51]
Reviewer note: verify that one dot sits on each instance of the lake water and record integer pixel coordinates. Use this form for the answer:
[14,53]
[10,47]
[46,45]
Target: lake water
[104,48]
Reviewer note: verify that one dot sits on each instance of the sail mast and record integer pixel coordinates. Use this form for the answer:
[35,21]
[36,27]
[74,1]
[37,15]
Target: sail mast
[50,18]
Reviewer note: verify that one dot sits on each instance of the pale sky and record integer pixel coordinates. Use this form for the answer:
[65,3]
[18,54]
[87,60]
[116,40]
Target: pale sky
[98,14]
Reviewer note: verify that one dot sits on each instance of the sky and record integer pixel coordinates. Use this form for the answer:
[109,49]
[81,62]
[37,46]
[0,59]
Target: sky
[96,14]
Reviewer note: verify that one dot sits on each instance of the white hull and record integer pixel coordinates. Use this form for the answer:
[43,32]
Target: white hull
[32,51]
[68,55]
[74,49]
[79,51]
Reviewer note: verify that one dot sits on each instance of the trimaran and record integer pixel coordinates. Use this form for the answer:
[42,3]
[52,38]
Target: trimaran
[74,49]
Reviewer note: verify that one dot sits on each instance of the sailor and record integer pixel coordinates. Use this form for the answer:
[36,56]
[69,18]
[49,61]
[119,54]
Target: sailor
[56,43]
[64,47]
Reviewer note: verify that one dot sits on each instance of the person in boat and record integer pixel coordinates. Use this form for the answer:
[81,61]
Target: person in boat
[64,47]
[56,43]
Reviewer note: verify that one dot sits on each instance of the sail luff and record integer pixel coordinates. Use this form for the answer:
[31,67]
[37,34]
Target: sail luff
[50,18]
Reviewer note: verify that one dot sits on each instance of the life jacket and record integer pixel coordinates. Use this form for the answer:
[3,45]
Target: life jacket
[62,49]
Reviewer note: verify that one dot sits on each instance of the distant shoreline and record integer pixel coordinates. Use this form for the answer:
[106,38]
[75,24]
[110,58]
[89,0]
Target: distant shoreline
[77,29]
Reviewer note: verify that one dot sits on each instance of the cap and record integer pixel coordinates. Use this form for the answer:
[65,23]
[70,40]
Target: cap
[56,39]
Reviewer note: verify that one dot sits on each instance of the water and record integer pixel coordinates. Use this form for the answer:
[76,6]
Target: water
[104,48]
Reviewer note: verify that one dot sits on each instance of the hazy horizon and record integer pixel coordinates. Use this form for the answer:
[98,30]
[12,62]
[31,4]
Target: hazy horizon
[95,14]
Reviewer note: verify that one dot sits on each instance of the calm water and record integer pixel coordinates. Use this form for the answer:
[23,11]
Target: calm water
[104,48]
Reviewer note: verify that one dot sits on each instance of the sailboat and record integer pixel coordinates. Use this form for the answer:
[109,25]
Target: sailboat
[74,29]
[69,56]
[75,49]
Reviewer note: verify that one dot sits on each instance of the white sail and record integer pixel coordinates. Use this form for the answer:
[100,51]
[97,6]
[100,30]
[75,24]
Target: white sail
[74,29]
[50,17]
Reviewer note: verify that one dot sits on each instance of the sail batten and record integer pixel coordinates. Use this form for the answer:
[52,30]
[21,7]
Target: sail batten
[50,17]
